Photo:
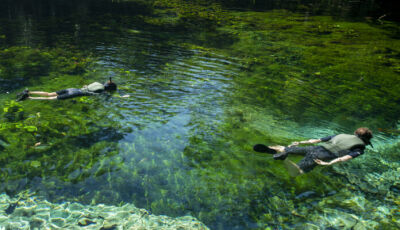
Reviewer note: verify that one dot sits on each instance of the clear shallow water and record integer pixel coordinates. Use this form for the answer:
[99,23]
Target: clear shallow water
[181,143]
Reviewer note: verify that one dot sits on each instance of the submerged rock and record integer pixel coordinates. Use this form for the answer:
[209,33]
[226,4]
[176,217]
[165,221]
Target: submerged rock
[305,195]
[41,214]
[85,222]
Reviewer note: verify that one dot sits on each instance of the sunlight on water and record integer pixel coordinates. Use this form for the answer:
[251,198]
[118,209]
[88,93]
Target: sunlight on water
[181,143]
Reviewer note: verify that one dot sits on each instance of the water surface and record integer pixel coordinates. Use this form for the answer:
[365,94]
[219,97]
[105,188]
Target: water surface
[200,98]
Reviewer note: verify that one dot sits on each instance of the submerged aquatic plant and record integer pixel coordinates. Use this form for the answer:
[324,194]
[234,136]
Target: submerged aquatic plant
[200,98]
[13,111]
[24,62]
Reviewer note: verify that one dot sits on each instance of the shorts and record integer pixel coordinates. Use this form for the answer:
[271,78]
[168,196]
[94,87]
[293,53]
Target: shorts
[69,93]
[310,153]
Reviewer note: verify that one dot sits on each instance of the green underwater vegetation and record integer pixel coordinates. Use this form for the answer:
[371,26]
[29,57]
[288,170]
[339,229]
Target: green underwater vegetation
[206,83]
[341,61]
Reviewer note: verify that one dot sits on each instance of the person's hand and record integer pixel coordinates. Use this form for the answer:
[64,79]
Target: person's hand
[318,161]
[294,143]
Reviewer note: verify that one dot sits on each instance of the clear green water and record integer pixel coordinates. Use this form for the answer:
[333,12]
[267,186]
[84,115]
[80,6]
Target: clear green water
[200,98]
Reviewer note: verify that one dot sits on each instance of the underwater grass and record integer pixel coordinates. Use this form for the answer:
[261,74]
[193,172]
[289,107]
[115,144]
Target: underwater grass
[290,52]
[182,143]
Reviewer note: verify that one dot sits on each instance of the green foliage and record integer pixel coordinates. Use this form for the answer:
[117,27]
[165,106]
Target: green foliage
[13,111]
[24,62]
[301,62]
[182,143]
[189,14]
[70,61]
[27,63]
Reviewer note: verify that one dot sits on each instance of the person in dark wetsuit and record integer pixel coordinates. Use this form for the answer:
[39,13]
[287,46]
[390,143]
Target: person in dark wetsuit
[92,89]
[334,149]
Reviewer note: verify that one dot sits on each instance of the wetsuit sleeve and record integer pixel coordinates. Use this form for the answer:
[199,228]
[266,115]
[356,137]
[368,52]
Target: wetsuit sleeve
[356,152]
[325,139]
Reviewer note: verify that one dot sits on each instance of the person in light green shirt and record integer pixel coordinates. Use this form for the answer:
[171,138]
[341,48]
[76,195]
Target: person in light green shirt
[333,149]
[92,89]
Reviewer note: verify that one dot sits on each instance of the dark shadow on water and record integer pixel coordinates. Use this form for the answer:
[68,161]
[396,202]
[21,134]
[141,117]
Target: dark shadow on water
[49,8]
[349,9]
[108,134]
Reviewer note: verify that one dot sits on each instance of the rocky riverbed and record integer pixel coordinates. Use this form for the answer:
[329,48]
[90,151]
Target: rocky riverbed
[32,212]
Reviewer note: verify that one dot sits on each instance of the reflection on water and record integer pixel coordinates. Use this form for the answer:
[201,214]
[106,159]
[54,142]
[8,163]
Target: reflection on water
[181,143]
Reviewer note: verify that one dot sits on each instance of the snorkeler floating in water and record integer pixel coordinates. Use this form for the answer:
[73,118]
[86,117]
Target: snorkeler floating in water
[92,89]
[337,148]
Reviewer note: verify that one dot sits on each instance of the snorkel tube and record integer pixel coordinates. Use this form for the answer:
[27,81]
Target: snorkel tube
[110,86]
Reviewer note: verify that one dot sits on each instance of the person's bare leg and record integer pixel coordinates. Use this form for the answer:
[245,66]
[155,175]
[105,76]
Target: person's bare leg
[43,98]
[41,93]
[293,169]
[278,148]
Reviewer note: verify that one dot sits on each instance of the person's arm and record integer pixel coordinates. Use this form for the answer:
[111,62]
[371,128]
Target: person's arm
[340,159]
[356,152]
[311,141]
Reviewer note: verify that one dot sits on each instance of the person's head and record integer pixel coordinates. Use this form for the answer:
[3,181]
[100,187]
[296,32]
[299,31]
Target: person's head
[365,134]
[110,85]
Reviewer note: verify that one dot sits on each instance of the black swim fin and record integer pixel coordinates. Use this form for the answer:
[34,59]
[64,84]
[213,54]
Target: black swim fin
[22,96]
[263,149]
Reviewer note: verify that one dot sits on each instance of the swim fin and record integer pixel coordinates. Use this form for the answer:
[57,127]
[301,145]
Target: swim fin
[23,95]
[263,149]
